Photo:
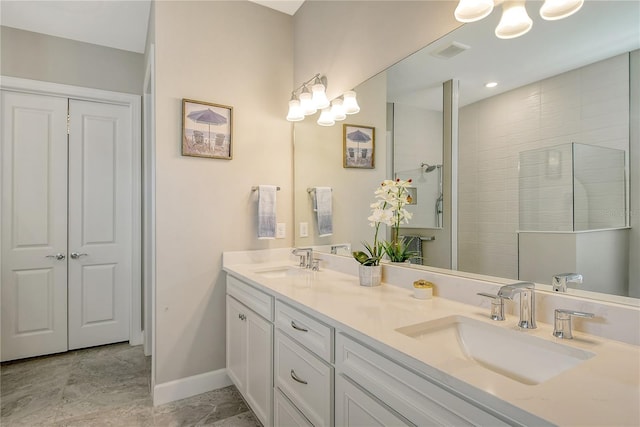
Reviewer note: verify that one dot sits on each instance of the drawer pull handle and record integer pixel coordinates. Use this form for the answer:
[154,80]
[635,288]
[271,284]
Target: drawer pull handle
[298,328]
[295,377]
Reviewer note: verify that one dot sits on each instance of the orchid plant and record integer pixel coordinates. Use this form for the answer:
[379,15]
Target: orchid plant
[388,209]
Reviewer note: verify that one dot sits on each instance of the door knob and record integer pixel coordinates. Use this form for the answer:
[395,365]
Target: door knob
[59,257]
[76,255]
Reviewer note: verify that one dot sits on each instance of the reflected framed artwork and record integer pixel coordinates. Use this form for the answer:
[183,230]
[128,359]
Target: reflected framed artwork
[359,143]
[207,129]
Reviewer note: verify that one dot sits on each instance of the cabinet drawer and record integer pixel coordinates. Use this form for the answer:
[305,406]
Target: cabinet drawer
[312,334]
[306,380]
[354,407]
[285,414]
[415,398]
[256,300]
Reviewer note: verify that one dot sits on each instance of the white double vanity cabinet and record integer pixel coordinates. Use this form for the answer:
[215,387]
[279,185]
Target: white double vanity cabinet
[314,349]
[283,363]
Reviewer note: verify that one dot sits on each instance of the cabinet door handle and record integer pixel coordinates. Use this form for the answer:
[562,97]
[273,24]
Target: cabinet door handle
[298,328]
[295,377]
[242,316]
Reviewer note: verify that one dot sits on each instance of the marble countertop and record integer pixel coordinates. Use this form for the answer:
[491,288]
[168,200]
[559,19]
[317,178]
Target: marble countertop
[603,390]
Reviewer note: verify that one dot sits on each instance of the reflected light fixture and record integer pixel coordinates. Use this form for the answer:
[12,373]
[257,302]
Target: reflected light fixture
[514,21]
[491,84]
[350,103]
[305,102]
[326,118]
[337,109]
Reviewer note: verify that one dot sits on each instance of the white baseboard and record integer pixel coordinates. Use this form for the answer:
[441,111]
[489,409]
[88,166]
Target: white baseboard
[136,339]
[190,386]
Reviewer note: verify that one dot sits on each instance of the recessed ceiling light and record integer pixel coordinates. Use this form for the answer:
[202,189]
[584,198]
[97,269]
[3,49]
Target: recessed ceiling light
[491,84]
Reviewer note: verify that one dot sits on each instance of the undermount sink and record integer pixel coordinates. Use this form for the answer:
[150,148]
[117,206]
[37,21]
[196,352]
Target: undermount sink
[514,354]
[282,271]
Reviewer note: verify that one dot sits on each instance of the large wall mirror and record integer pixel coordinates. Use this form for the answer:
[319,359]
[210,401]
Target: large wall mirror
[546,164]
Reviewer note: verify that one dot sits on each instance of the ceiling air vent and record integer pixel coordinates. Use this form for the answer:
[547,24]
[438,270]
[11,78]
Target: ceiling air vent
[450,50]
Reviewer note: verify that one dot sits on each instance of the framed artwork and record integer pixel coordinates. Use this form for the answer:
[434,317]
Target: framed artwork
[207,129]
[359,144]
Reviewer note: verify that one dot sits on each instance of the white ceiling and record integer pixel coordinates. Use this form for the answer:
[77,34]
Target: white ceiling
[114,23]
[290,7]
[600,30]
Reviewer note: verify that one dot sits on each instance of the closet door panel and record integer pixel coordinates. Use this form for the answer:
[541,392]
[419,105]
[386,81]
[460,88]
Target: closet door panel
[34,225]
[100,212]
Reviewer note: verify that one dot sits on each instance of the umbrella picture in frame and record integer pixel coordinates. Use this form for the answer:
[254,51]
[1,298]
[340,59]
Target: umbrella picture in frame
[207,129]
[358,146]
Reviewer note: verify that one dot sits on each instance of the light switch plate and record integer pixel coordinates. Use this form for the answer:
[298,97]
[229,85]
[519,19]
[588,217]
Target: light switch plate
[304,229]
[281,230]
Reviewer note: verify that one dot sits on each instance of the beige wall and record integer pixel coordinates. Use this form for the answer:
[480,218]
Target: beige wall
[318,163]
[36,56]
[238,54]
[351,41]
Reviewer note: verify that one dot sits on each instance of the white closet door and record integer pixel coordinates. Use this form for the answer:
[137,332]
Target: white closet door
[100,231]
[34,225]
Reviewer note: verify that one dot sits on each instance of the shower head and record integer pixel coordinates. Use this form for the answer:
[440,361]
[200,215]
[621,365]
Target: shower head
[428,168]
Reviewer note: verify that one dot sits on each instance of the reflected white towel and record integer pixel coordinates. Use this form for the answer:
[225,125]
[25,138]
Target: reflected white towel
[324,211]
[267,211]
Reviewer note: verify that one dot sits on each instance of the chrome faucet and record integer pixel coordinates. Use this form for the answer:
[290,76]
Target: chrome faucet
[527,301]
[334,248]
[306,257]
[559,281]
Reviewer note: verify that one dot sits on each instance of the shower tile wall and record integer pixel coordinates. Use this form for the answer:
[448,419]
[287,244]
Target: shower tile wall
[589,105]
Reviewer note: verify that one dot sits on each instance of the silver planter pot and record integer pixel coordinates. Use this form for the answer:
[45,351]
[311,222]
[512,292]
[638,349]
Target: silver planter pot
[370,275]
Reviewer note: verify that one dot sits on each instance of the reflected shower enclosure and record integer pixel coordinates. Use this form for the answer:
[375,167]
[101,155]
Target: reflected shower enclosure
[573,216]
[572,187]
[426,193]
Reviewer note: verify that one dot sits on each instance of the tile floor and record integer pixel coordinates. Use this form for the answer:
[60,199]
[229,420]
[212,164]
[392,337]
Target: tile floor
[105,386]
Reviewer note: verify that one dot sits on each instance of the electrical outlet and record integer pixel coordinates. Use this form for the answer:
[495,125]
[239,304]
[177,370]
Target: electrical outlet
[281,230]
[304,229]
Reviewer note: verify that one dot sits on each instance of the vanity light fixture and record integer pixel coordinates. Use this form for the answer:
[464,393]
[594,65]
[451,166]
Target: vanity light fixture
[320,99]
[295,110]
[473,10]
[552,10]
[514,21]
[305,102]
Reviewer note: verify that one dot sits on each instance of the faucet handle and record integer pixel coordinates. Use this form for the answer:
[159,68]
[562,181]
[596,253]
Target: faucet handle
[497,306]
[562,322]
[302,258]
[559,281]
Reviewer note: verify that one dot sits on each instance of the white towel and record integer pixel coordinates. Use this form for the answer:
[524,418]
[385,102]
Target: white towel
[324,211]
[267,211]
